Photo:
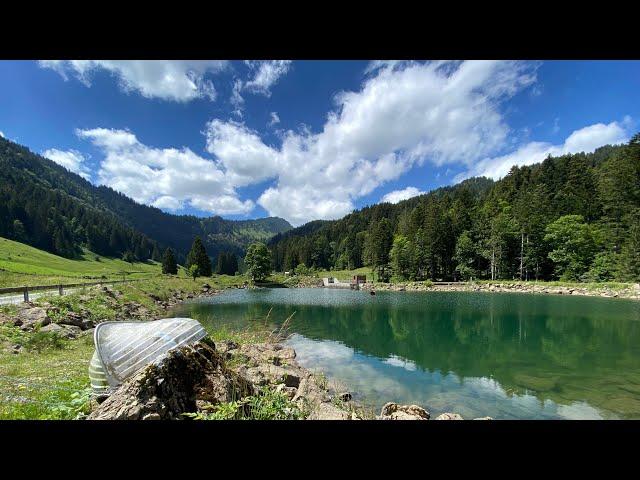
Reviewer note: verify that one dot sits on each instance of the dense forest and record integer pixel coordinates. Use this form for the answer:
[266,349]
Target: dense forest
[46,206]
[573,217]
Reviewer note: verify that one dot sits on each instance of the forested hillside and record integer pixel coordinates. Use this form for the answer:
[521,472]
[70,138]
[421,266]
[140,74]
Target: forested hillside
[46,206]
[574,217]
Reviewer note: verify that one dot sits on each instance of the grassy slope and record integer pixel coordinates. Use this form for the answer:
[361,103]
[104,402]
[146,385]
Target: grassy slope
[21,264]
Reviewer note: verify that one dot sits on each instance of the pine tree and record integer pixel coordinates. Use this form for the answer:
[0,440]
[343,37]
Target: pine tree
[169,265]
[155,255]
[198,256]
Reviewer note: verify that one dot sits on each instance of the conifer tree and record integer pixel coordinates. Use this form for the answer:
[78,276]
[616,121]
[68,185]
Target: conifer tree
[198,256]
[169,265]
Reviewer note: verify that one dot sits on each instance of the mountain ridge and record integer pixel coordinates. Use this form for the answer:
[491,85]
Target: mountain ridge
[59,211]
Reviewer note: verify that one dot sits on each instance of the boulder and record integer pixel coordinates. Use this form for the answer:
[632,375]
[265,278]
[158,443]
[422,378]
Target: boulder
[29,317]
[449,416]
[66,331]
[328,411]
[310,393]
[78,320]
[393,411]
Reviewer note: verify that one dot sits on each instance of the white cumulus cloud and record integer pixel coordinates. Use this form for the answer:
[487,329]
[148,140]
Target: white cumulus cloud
[175,80]
[585,140]
[267,74]
[399,195]
[403,114]
[72,160]
[167,178]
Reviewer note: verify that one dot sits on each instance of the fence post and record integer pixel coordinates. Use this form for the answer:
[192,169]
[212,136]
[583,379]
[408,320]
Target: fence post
[60,290]
[26,294]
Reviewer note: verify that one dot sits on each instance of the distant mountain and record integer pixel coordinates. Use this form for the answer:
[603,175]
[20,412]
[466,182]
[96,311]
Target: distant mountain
[44,205]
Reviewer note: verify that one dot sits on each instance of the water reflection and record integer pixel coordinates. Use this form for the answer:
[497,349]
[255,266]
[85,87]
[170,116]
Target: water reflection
[507,356]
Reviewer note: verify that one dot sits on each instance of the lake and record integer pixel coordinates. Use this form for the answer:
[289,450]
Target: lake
[505,355]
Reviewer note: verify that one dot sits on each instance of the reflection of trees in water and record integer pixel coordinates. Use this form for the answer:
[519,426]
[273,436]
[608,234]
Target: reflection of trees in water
[581,351]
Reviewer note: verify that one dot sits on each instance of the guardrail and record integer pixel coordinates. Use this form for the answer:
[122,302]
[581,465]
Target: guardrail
[60,287]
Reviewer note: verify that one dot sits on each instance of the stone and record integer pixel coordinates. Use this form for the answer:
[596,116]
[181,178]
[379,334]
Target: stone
[309,392]
[449,416]
[393,411]
[66,331]
[344,396]
[30,317]
[327,411]
[88,332]
[483,418]
[226,346]
[290,392]
[78,320]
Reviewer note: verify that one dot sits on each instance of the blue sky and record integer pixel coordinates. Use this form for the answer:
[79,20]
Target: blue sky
[308,139]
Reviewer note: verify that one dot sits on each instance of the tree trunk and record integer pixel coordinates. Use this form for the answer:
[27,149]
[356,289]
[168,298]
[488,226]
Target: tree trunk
[521,255]
[493,262]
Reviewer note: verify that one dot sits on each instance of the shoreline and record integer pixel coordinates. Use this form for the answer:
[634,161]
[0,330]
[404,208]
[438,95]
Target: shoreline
[632,293]
[259,359]
[604,290]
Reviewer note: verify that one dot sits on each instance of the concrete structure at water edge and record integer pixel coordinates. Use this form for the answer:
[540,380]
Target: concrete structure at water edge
[354,283]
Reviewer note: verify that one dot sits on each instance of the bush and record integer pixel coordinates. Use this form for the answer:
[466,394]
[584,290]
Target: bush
[40,341]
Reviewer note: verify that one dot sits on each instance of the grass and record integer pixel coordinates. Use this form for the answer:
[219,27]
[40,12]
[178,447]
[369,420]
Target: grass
[49,382]
[267,404]
[344,275]
[21,264]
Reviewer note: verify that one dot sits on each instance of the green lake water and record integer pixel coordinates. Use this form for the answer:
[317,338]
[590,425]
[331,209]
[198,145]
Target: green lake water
[505,355]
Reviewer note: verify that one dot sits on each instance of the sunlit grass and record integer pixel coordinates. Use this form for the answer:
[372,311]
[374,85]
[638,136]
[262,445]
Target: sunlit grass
[21,264]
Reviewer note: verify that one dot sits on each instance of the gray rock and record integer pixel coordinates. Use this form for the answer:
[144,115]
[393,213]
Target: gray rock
[344,396]
[152,416]
[327,411]
[483,418]
[449,416]
[393,411]
[30,317]
[290,392]
[66,331]
[78,320]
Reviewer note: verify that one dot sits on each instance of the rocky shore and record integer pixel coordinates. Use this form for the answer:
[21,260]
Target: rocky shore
[632,292]
[193,380]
